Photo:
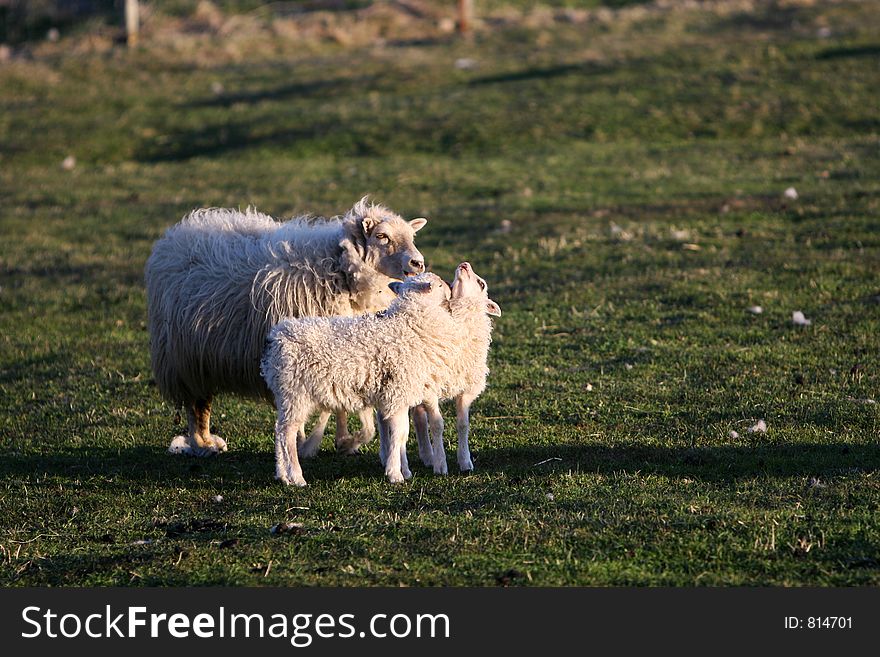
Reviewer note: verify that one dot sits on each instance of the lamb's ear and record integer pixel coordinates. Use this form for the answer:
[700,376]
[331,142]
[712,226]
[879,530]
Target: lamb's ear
[422,287]
[418,224]
[493,308]
[396,287]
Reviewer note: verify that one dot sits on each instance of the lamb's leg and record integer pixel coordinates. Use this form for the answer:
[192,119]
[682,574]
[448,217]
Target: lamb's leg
[462,424]
[318,430]
[281,458]
[368,427]
[362,437]
[404,461]
[383,439]
[420,422]
[435,418]
[310,446]
[343,441]
[287,468]
[199,441]
[397,429]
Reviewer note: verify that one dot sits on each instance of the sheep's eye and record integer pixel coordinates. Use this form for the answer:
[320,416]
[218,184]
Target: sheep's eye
[482,285]
[382,237]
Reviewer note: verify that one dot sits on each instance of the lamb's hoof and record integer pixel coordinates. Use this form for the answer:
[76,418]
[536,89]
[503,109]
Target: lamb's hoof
[308,449]
[441,468]
[406,472]
[291,479]
[361,439]
[348,446]
[467,467]
[219,442]
[395,477]
[427,457]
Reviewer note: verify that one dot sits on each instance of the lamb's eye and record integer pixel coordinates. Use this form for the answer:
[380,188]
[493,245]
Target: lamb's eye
[482,284]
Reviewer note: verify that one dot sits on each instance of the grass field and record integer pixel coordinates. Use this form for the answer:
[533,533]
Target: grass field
[641,161]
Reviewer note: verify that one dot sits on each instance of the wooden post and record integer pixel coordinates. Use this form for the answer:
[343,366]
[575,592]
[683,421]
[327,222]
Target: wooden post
[132,22]
[465,15]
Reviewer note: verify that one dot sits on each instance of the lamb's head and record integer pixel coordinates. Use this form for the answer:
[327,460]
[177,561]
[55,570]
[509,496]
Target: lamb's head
[467,284]
[424,289]
[384,240]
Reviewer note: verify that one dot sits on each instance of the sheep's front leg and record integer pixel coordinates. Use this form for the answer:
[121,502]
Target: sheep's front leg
[396,467]
[462,425]
[435,420]
[420,423]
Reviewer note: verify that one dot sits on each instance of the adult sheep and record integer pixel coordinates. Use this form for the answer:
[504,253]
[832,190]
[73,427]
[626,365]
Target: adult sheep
[220,279]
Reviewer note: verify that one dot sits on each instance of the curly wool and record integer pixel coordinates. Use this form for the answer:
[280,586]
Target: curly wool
[390,361]
[218,280]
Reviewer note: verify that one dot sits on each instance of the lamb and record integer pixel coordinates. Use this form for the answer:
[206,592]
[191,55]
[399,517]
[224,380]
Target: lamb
[465,372]
[220,279]
[387,361]
[471,307]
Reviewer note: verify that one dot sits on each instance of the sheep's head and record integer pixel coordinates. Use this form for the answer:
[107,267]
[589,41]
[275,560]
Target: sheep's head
[467,284]
[425,289]
[387,240]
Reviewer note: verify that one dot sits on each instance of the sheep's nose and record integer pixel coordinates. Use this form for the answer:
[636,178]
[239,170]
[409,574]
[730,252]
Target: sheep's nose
[417,265]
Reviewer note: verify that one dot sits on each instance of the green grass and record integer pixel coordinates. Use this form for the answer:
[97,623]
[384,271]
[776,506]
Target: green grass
[620,365]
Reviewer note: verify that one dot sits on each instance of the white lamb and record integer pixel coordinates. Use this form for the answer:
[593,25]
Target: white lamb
[388,361]
[463,377]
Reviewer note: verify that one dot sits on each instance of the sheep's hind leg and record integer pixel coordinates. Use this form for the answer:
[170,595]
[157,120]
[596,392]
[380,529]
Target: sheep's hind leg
[462,424]
[420,422]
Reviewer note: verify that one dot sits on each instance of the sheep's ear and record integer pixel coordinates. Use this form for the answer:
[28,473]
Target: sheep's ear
[418,224]
[396,287]
[369,224]
[493,308]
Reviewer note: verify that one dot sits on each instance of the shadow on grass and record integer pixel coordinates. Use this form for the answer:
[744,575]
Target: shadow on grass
[124,467]
[216,140]
[871,50]
[284,92]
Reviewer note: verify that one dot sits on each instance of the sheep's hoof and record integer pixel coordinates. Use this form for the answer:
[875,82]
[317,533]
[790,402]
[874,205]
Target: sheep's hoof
[395,478]
[427,456]
[182,445]
[441,468]
[467,467]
